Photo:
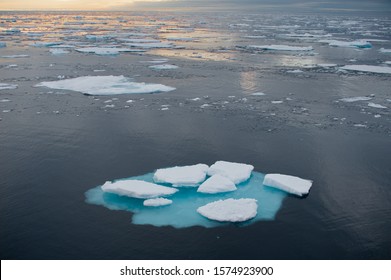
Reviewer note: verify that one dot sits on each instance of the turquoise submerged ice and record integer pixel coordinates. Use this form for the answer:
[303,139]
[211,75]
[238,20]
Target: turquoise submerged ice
[182,212]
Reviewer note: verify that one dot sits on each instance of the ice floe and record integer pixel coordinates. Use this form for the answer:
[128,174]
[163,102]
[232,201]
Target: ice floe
[45,44]
[383,50]
[151,45]
[217,184]
[291,184]
[353,44]
[258,94]
[137,189]
[106,51]
[58,51]
[105,85]
[236,172]
[296,71]
[367,68]
[182,176]
[280,48]
[15,56]
[163,67]
[8,86]
[230,210]
[375,105]
[355,99]
[156,202]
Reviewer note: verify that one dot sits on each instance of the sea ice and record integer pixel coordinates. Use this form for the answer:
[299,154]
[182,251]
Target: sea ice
[291,184]
[137,189]
[296,71]
[58,51]
[45,44]
[182,176]
[368,68]
[326,65]
[3,45]
[156,202]
[8,86]
[107,51]
[355,99]
[236,172]
[150,45]
[383,50]
[230,210]
[15,56]
[217,184]
[105,85]
[280,48]
[354,44]
[163,67]
[378,106]
[258,94]
[139,40]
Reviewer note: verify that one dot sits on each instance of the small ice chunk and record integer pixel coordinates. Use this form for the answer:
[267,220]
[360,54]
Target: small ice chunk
[288,183]
[383,50]
[163,67]
[378,106]
[326,65]
[15,56]
[387,62]
[377,116]
[196,99]
[104,85]
[3,45]
[156,202]
[354,44]
[160,45]
[280,48]
[182,176]
[137,189]
[296,71]
[258,94]
[45,44]
[58,51]
[355,99]
[236,172]
[217,184]
[230,210]
[107,51]
[368,68]
[360,125]
[277,101]
[8,86]
[205,105]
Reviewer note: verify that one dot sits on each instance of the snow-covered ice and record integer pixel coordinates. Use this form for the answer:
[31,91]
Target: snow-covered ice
[356,98]
[137,189]
[217,184]
[280,48]
[368,68]
[156,202]
[288,183]
[163,67]
[353,44]
[236,172]
[383,50]
[182,176]
[106,51]
[58,51]
[8,86]
[105,85]
[375,105]
[230,210]
[258,94]
[15,56]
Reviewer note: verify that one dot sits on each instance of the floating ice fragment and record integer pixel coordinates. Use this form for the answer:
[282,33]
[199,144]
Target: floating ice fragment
[327,65]
[5,100]
[236,172]
[277,101]
[280,48]
[3,45]
[163,67]
[355,99]
[139,40]
[258,94]
[196,99]
[8,86]
[45,44]
[15,56]
[182,176]
[217,184]
[368,68]
[354,44]
[156,202]
[377,116]
[296,71]
[107,51]
[378,106]
[230,210]
[105,85]
[137,189]
[288,183]
[58,51]
[383,50]
[150,45]
[360,125]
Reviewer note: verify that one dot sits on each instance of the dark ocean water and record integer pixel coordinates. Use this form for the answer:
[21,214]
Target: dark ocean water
[55,145]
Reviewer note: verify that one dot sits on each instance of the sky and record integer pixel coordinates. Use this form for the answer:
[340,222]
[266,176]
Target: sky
[128,5]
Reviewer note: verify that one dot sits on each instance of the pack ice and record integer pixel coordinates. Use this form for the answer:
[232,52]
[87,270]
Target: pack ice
[217,184]
[367,68]
[288,183]
[179,176]
[105,85]
[236,172]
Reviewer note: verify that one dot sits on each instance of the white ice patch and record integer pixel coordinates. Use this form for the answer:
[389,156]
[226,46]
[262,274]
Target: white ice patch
[377,106]
[182,176]
[280,48]
[106,51]
[291,184]
[230,210]
[8,86]
[163,67]
[355,99]
[258,94]
[15,56]
[156,202]
[45,44]
[368,68]
[326,65]
[236,172]
[58,51]
[217,184]
[105,85]
[296,71]
[137,189]
[353,44]
[383,50]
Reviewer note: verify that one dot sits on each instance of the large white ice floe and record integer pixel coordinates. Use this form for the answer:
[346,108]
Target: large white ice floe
[288,183]
[182,176]
[156,202]
[105,85]
[163,67]
[377,106]
[367,68]
[230,210]
[217,184]
[236,172]
[137,189]
[280,48]
[106,51]
[8,86]
[355,99]
[353,44]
